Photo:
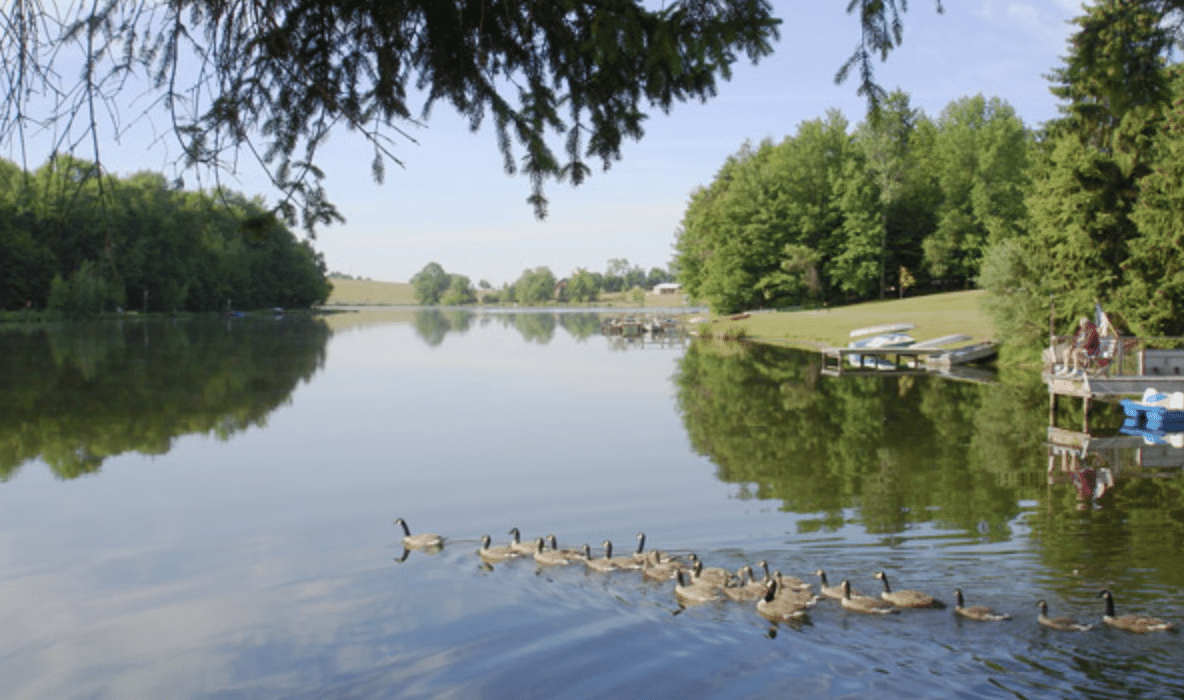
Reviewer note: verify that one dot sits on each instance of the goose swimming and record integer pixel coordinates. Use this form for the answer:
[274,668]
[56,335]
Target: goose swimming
[425,540]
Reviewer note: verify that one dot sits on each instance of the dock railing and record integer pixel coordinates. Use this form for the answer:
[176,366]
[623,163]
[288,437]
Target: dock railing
[1127,355]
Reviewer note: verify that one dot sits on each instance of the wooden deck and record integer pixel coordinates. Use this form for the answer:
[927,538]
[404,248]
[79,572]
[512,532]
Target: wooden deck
[1153,368]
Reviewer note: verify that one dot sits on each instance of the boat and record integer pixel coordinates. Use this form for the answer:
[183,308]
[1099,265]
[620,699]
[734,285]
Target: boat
[1155,412]
[944,340]
[885,328]
[976,352]
[884,341]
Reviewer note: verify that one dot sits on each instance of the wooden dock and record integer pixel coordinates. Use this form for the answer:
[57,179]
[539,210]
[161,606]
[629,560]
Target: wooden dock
[903,360]
[1153,368]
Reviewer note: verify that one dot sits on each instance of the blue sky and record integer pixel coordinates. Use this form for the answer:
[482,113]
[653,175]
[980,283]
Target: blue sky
[453,204]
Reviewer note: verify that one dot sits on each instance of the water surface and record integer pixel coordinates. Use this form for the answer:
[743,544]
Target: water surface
[203,509]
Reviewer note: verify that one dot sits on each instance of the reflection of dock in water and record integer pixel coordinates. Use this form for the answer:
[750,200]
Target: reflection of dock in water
[1094,464]
[629,332]
[646,341]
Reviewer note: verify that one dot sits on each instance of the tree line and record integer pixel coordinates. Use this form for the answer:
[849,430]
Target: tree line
[1083,209]
[79,242]
[835,214]
[539,285]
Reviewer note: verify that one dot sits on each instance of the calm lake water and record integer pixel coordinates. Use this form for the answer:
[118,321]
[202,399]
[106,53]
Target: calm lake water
[203,509]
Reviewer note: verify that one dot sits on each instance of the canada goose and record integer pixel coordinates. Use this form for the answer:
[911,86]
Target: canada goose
[764,565]
[548,557]
[745,587]
[691,592]
[570,553]
[1065,624]
[788,582]
[640,556]
[976,612]
[495,554]
[801,595]
[836,592]
[424,540]
[907,599]
[608,562]
[656,569]
[596,563]
[712,575]
[621,562]
[1132,623]
[864,604]
[779,608]
[518,545]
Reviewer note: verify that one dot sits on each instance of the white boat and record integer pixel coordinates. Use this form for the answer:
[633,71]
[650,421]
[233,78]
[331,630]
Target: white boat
[944,340]
[878,342]
[884,328]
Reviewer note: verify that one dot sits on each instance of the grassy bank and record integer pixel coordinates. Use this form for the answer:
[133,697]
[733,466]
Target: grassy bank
[368,292]
[935,315]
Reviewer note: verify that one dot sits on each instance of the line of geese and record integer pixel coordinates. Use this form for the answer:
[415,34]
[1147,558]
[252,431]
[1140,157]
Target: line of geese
[778,598]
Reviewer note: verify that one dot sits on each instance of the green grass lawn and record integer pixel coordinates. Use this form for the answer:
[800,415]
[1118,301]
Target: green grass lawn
[935,315]
[368,292]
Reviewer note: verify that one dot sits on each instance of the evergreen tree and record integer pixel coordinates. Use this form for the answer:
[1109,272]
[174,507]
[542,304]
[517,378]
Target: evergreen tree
[285,72]
[1097,154]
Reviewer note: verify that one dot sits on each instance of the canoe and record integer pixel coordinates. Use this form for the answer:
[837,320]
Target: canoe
[881,329]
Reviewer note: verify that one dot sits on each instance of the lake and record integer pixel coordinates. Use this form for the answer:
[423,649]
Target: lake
[204,509]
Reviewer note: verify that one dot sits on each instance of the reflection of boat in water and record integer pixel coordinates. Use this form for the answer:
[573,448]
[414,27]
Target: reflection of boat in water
[1156,437]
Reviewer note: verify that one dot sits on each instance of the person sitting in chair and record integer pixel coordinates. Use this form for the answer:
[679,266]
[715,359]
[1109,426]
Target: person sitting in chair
[1085,345]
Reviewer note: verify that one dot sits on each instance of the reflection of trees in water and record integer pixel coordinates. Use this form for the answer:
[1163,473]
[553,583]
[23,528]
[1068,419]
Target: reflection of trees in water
[900,449]
[908,449]
[75,394]
[536,327]
[581,326]
[1131,535]
[433,324]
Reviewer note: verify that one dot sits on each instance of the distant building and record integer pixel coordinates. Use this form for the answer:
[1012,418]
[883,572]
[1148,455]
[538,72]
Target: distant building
[667,288]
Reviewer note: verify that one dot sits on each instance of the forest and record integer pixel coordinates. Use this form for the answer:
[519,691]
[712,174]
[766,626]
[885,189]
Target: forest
[1086,208]
[79,243]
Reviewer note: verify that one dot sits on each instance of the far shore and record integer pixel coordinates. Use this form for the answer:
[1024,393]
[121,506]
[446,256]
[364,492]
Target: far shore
[934,315]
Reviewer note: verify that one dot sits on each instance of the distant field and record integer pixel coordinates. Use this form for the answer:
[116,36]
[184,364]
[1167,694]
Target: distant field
[366,292]
[935,315]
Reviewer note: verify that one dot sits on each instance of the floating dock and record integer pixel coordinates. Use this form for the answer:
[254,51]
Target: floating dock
[911,359]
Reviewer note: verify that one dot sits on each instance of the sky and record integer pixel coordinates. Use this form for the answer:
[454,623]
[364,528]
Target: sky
[453,204]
